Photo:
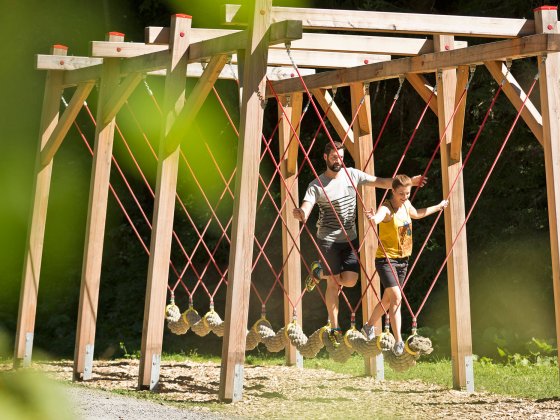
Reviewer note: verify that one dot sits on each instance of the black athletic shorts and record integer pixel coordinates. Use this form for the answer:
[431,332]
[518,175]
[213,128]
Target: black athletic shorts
[339,256]
[386,275]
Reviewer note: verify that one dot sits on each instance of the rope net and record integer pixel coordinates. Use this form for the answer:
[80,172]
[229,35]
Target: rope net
[202,232]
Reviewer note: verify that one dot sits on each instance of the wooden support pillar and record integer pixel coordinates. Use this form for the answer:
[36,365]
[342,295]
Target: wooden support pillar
[546,21]
[37,220]
[289,193]
[164,207]
[244,211]
[457,265]
[95,226]
[363,147]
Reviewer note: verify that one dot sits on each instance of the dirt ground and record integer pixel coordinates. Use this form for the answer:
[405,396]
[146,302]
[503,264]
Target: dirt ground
[274,392]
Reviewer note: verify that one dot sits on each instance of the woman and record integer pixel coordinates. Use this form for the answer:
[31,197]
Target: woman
[395,234]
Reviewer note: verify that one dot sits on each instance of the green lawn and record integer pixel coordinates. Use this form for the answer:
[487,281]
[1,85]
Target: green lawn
[533,381]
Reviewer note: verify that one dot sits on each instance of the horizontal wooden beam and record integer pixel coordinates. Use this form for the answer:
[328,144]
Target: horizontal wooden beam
[231,72]
[517,96]
[321,59]
[280,32]
[405,23]
[64,62]
[276,57]
[315,41]
[63,125]
[275,72]
[427,63]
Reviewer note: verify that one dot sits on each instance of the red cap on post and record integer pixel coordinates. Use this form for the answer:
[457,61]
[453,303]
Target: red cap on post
[545,8]
[59,47]
[115,34]
[182,15]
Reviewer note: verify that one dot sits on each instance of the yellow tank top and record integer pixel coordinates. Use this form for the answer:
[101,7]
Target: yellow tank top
[396,234]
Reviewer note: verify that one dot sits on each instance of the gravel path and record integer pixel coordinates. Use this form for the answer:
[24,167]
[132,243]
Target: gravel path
[189,390]
[92,404]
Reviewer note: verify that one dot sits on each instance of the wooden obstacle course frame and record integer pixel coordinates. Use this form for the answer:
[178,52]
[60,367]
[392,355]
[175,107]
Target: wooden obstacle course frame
[119,71]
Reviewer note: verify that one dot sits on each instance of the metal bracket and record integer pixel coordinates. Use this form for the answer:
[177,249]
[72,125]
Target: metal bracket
[237,382]
[299,360]
[379,368]
[28,349]
[469,374]
[154,377]
[88,363]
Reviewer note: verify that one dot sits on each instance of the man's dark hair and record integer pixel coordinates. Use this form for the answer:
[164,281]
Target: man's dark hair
[329,147]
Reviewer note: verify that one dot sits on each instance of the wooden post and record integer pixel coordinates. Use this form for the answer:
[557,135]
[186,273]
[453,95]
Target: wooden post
[95,227]
[164,207]
[289,192]
[37,220]
[457,265]
[363,147]
[244,212]
[546,20]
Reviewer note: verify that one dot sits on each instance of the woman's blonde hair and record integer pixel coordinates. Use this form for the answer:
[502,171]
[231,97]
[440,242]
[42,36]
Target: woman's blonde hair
[401,181]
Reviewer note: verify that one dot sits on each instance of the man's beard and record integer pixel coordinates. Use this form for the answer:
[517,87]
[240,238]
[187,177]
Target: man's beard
[335,167]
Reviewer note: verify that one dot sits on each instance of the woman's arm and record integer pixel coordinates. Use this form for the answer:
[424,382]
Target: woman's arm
[420,213]
[380,216]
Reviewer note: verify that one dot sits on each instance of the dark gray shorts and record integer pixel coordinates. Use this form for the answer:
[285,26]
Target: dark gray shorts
[386,275]
[339,256]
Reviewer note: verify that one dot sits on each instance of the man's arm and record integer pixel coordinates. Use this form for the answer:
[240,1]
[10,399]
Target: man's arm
[375,181]
[302,213]
[387,183]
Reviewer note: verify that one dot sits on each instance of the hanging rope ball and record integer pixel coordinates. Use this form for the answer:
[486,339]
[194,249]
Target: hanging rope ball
[340,348]
[415,346]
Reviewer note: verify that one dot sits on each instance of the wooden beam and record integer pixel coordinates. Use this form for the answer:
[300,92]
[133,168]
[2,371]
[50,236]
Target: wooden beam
[321,59]
[279,33]
[457,265]
[424,89]
[61,129]
[459,119]
[337,120]
[293,148]
[164,208]
[426,63]
[37,220]
[51,62]
[289,194]
[231,72]
[244,211]
[63,62]
[547,21]
[363,148]
[320,42]
[516,95]
[400,23]
[194,102]
[95,225]
[120,96]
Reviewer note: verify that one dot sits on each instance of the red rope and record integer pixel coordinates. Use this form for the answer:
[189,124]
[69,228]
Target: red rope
[478,194]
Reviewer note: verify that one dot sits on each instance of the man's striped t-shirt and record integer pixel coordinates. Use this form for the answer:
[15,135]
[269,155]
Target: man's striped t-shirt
[341,195]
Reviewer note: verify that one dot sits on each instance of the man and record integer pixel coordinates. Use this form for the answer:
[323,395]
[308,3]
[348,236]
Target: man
[336,229]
